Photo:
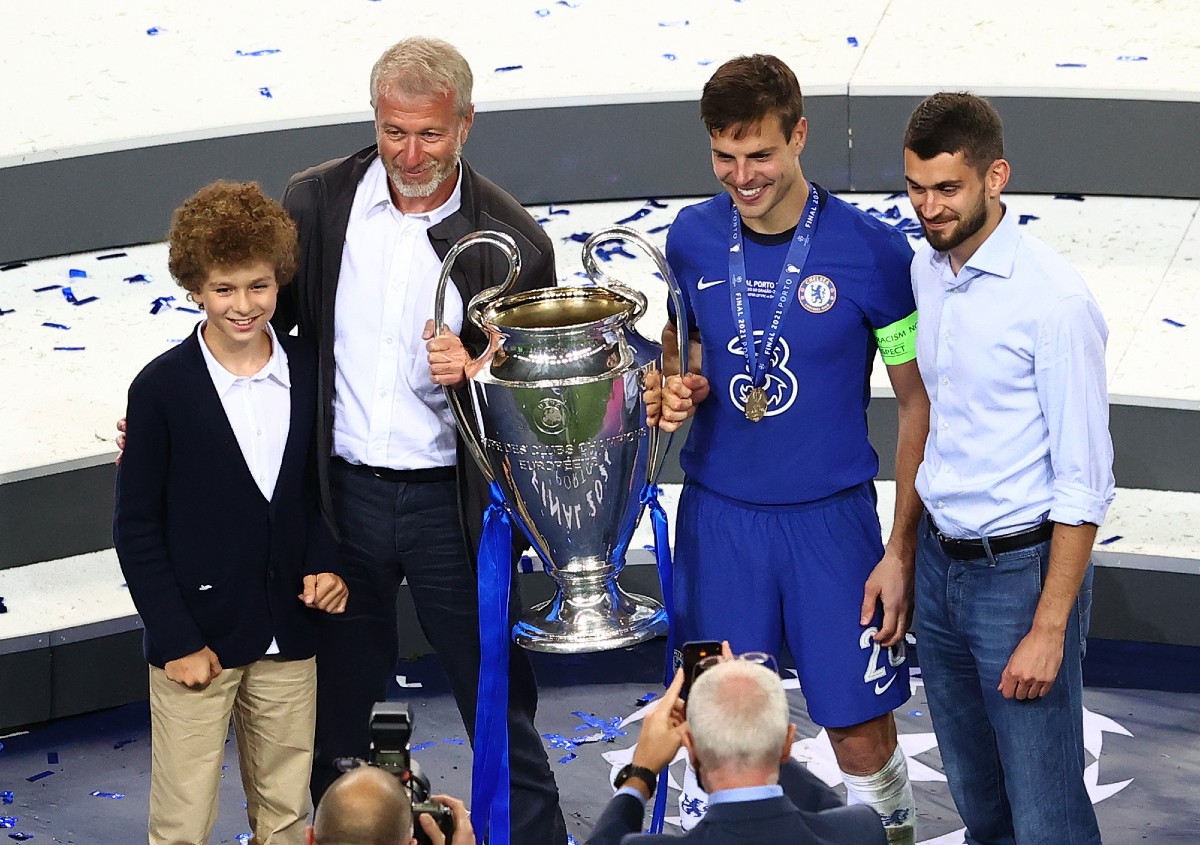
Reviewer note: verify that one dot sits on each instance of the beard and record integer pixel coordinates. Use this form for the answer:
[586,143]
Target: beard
[435,176]
[967,226]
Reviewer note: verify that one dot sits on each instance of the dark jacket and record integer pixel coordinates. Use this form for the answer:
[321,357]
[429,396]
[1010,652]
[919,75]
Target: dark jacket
[208,560]
[319,200]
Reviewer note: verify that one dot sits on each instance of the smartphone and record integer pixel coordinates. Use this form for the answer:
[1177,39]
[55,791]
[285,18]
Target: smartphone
[695,651]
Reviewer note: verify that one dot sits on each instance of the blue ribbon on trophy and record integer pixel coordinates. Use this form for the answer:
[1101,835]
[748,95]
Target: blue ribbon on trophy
[558,428]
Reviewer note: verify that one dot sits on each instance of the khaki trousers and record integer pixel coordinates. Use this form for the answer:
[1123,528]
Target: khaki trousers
[273,705]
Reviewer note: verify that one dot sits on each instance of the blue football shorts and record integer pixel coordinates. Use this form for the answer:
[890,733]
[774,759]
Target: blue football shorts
[759,575]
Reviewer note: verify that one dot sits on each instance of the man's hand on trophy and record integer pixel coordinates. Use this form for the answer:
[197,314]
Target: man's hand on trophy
[680,396]
[447,357]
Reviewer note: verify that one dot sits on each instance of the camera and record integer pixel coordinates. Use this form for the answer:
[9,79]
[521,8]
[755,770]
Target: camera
[391,730]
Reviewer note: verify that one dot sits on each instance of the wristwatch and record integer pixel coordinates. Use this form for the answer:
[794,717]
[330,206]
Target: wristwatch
[640,772]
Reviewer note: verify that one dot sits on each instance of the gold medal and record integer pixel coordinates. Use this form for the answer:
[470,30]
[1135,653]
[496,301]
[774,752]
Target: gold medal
[756,404]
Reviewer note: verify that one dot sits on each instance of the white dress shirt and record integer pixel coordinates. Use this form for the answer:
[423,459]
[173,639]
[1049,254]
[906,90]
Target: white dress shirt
[1011,351]
[387,410]
[259,410]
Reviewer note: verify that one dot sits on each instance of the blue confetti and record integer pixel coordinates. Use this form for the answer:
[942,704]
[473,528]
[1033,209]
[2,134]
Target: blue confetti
[160,303]
[541,13]
[1070,64]
[704,62]
[1071,197]
[578,237]
[111,255]
[897,195]
[915,713]
[1132,59]
[649,547]
[542,221]
[9,821]
[116,796]
[6,796]
[551,210]
[568,758]
[13,265]
[658,229]
[507,68]
[568,4]
[266,52]
[637,215]
[39,776]
[1025,219]
[4,609]
[69,348]
[526,563]
[184,309]
[77,274]
[454,741]
[244,838]
[609,729]
[422,746]
[9,311]
[655,203]
[46,288]
[139,278]
[670,57]
[617,249]
[265,91]
[571,840]
[674,23]
[560,741]
[21,837]
[51,325]
[69,295]
[155,30]
[852,41]
[123,743]
[647,698]
[52,758]
[1109,540]
[1174,323]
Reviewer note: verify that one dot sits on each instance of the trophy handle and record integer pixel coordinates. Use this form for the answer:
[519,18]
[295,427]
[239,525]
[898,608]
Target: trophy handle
[503,242]
[598,276]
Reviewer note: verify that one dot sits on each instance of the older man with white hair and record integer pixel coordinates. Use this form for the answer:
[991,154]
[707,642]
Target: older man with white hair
[737,734]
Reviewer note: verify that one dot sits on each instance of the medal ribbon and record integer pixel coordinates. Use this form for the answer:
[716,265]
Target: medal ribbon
[757,361]
[490,769]
[662,559]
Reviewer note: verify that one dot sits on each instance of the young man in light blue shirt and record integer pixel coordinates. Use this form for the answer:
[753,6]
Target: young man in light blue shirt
[1016,478]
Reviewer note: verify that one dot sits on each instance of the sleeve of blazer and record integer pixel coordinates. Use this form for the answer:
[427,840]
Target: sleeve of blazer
[622,816]
[300,203]
[140,527]
[804,789]
[321,551]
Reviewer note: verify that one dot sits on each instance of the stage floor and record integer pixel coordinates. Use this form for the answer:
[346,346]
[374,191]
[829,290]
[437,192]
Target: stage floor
[1144,762]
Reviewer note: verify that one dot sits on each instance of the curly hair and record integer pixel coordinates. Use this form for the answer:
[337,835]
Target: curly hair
[226,225]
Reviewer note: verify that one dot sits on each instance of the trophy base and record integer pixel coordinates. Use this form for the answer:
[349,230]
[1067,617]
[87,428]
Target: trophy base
[580,621]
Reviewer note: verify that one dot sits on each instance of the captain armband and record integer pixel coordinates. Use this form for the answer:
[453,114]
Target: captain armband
[898,342]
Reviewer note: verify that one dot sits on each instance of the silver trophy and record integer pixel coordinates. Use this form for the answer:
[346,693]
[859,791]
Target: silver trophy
[557,399]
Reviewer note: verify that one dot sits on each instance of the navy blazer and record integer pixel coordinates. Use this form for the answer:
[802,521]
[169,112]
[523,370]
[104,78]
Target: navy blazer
[208,560]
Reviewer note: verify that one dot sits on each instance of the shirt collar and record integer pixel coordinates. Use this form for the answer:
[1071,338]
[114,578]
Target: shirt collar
[276,367]
[746,793]
[379,197]
[994,257]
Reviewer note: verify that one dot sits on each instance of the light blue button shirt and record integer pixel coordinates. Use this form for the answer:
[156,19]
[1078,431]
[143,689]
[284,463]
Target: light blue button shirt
[1011,351]
[724,796]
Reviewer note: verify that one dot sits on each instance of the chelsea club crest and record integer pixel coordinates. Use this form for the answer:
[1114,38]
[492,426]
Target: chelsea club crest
[817,294]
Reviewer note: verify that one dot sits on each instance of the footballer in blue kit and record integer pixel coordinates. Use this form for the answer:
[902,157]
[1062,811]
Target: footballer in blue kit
[790,291]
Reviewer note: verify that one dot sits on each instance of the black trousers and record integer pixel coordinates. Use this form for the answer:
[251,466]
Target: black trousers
[392,530]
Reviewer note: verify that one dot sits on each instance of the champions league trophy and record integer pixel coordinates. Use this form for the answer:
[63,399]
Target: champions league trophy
[557,399]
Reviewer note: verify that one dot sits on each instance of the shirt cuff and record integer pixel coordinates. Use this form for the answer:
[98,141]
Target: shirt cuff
[635,792]
[1074,504]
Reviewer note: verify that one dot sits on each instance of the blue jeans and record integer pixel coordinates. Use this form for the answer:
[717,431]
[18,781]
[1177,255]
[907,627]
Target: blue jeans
[1015,767]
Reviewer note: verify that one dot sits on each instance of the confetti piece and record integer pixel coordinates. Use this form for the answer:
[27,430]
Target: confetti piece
[160,303]
[13,265]
[658,229]
[578,237]
[454,741]
[1071,197]
[265,92]
[1109,540]
[674,23]
[77,274]
[568,4]
[670,57]
[39,776]
[1025,219]
[541,13]
[551,210]
[6,796]
[525,564]
[69,348]
[50,325]
[52,758]
[9,311]
[21,837]
[560,741]
[244,838]
[646,699]
[1174,323]
[9,821]
[606,254]
[184,309]
[1070,64]
[111,255]
[139,278]
[4,609]
[116,796]
[155,30]
[507,68]
[568,758]
[46,288]
[852,41]
[1132,59]
[266,52]
[637,215]
[422,746]
[915,713]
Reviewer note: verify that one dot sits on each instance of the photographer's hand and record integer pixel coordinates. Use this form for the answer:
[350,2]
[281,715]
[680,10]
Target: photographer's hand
[464,834]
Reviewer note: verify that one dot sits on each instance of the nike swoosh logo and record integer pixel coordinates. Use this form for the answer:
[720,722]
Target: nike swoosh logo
[703,285]
[880,690]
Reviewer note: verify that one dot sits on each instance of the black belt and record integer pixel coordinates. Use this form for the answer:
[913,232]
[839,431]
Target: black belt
[973,549]
[425,475]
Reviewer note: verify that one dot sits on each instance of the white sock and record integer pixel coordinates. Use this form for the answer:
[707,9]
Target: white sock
[889,792]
